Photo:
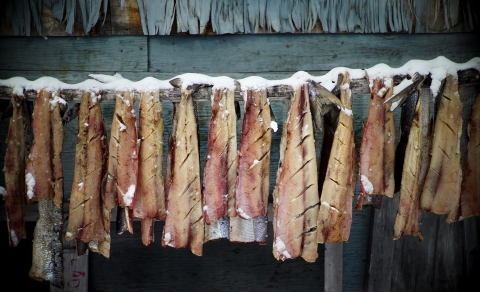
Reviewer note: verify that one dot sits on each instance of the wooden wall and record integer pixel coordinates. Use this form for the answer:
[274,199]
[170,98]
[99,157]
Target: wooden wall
[243,266]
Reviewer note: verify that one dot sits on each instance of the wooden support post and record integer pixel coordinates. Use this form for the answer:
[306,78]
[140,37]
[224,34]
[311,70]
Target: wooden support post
[333,266]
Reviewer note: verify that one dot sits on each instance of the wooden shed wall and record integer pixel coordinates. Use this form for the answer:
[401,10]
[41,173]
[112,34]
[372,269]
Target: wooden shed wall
[447,259]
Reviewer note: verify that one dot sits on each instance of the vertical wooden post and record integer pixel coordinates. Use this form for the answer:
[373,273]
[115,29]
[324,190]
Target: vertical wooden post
[333,266]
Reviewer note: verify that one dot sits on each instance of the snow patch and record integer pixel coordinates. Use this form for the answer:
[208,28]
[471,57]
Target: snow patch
[279,245]
[255,162]
[242,214]
[367,185]
[128,196]
[167,238]
[274,126]
[3,191]
[30,181]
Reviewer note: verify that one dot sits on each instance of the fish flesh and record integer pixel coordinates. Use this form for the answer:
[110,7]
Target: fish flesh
[441,192]
[184,223]
[295,196]
[150,196]
[47,255]
[220,169]
[417,158]
[38,173]
[14,169]
[252,185]
[377,149]
[335,212]
[86,214]
[123,158]
[470,196]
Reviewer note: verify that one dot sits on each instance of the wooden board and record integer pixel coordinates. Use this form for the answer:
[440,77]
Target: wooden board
[74,53]
[280,53]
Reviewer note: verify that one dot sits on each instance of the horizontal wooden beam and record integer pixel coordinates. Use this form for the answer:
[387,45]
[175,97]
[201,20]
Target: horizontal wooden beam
[74,53]
[358,86]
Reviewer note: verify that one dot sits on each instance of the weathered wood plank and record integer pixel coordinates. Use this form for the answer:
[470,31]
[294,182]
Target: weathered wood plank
[125,21]
[267,53]
[76,54]
[333,266]
[224,266]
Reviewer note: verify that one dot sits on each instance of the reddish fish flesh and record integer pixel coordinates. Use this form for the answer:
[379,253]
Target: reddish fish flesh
[221,163]
[295,196]
[47,255]
[150,195]
[184,224]
[335,214]
[470,196]
[123,157]
[377,150]
[86,216]
[409,214]
[252,186]
[39,174]
[15,196]
[441,193]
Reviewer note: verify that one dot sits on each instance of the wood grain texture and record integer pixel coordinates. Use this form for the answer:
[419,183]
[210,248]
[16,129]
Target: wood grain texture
[253,53]
[77,54]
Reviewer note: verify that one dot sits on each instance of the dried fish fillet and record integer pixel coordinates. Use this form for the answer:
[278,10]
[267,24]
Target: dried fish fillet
[220,169]
[252,186]
[377,149]
[39,174]
[150,196]
[295,195]
[335,214]
[470,196]
[441,193]
[409,214]
[184,224]
[14,169]
[87,210]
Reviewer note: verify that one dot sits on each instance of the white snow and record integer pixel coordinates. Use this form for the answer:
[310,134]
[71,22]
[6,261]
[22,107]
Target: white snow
[167,238]
[14,237]
[242,214]
[221,82]
[439,68]
[122,127]
[30,181]
[128,196]
[367,185]
[347,111]
[3,191]
[279,245]
[329,206]
[255,162]
[274,126]
[80,185]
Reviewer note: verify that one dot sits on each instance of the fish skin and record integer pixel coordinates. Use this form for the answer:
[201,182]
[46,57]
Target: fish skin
[377,149]
[409,214]
[184,224]
[39,160]
[441,192]
[220,165]
[86,215]
[295,195]
[150,195]
[335,211]
[252,185]
[406,119]
[47,254]
[470,197]
[14,170]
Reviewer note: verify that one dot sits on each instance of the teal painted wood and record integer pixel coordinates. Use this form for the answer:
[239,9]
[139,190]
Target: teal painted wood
[291,53]
[74,53]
